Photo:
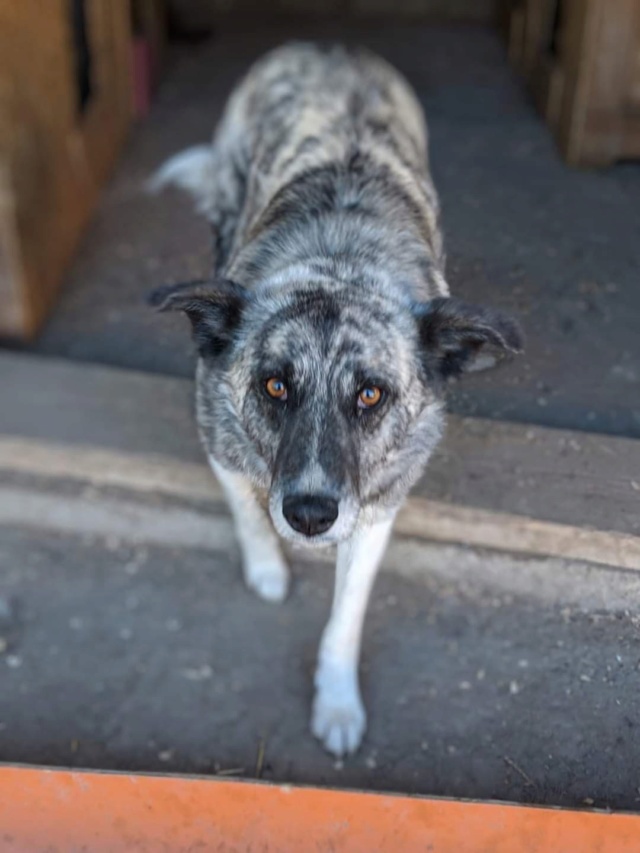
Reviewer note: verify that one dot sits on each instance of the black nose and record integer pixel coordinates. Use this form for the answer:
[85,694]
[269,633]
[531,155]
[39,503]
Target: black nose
[310,514]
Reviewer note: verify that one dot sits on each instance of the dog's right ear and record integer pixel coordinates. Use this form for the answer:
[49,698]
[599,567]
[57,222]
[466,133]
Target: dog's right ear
[454,335]
[213,308]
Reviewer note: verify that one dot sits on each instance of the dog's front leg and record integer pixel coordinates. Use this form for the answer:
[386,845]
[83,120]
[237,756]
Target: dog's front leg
[264,567]
[339,718]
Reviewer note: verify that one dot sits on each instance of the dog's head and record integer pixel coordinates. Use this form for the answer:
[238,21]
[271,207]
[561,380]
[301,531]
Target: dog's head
[331,400]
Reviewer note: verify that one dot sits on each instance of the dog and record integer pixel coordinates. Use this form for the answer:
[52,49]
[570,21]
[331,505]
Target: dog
[326,335]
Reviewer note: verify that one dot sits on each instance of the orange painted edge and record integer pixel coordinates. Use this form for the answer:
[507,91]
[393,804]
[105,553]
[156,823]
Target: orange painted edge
[99,812]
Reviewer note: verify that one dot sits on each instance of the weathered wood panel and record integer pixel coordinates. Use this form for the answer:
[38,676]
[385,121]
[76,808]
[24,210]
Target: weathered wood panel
[582,480]
[55,153]
[581,59]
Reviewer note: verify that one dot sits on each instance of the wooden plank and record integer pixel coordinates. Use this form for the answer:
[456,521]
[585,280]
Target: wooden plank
[542,69]
[577,479]
[630,144]
[538,21]
[607,92]
[634,87]
[119,519]
[13,308]
[547,86]
[75,404]
[577,48]
[614,61]
[515,44]
[53,160]
[436,521]
[420,518]
[153,474]
[98,812]
[589,90]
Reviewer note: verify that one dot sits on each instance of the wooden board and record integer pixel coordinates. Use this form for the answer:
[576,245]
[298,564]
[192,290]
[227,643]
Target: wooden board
[581,479]
[490,484]
[55,153]
[421,519]
[587,87]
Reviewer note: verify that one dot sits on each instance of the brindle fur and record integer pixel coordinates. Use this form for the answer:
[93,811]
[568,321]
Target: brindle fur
[329,273]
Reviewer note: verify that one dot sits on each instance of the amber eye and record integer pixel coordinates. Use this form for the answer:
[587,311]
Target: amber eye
[276,388]
[369,397]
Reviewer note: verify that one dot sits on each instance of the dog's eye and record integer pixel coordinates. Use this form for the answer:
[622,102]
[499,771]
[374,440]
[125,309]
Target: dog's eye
[276,388]
[369,397]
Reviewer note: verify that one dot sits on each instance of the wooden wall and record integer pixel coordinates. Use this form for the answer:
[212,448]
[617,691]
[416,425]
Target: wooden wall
[55,152]
[581,59]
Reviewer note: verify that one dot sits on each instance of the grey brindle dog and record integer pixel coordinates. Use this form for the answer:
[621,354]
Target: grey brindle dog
[326,333]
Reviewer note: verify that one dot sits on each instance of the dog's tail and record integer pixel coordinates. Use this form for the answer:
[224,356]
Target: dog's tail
[191,170]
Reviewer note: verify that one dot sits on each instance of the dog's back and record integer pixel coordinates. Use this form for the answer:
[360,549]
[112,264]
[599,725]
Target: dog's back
[321,156]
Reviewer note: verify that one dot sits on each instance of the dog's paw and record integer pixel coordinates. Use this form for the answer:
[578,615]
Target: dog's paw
[270,580]
[338,720]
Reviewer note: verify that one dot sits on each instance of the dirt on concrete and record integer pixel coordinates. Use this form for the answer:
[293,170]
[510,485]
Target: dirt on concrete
[557,246]
[155,659]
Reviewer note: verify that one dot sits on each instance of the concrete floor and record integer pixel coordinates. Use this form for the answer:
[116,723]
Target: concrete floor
[144,658]
[556,246]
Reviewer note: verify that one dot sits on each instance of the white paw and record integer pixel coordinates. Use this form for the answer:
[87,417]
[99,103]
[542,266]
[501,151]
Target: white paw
[269,580]
[338,720]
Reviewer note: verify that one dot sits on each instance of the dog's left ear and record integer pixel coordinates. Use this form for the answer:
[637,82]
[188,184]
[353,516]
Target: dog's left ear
[214,309]
[457,337]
